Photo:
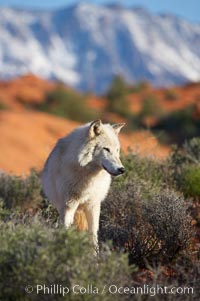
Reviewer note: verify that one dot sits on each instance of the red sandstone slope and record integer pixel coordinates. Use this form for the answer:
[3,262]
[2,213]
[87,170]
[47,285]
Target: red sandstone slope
[19,92]
[28,136]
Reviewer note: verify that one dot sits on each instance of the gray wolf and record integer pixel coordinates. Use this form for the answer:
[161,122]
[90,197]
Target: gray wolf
[78,172]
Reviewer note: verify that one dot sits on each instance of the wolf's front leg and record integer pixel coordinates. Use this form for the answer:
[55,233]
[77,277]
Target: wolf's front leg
[69,212]
[92,212]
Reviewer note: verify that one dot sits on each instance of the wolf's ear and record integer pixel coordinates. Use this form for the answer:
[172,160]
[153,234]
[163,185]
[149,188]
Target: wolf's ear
[95,128]
[117,127]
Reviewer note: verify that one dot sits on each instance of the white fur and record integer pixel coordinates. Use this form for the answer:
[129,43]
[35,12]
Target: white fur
[78,171]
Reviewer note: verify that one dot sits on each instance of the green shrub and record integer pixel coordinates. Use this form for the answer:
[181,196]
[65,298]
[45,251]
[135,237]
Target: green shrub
[116,97]
[180,125]
[3,106]
[48,212]
[171,94]
[168,216]
[4,213]
[139,87]
[145,170]
[188,154]
[20,191]
[150,107]
[185,166]
[190,180]
[68,104]
[37,255]
[162,136]
[150,225]
[191,150]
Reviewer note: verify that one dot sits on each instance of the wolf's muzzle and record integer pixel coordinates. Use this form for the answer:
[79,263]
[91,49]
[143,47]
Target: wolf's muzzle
[121,170]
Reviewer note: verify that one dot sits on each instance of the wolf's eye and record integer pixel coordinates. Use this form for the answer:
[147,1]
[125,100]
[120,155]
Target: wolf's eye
[107,149]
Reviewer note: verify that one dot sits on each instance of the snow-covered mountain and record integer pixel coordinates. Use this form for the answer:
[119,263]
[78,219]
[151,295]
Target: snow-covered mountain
[85,45]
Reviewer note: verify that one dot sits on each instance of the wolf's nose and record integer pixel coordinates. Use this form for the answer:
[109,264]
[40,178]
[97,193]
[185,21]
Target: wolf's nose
[121,170]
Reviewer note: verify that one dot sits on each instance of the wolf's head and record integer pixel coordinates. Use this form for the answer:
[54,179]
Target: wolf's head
[104,142]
